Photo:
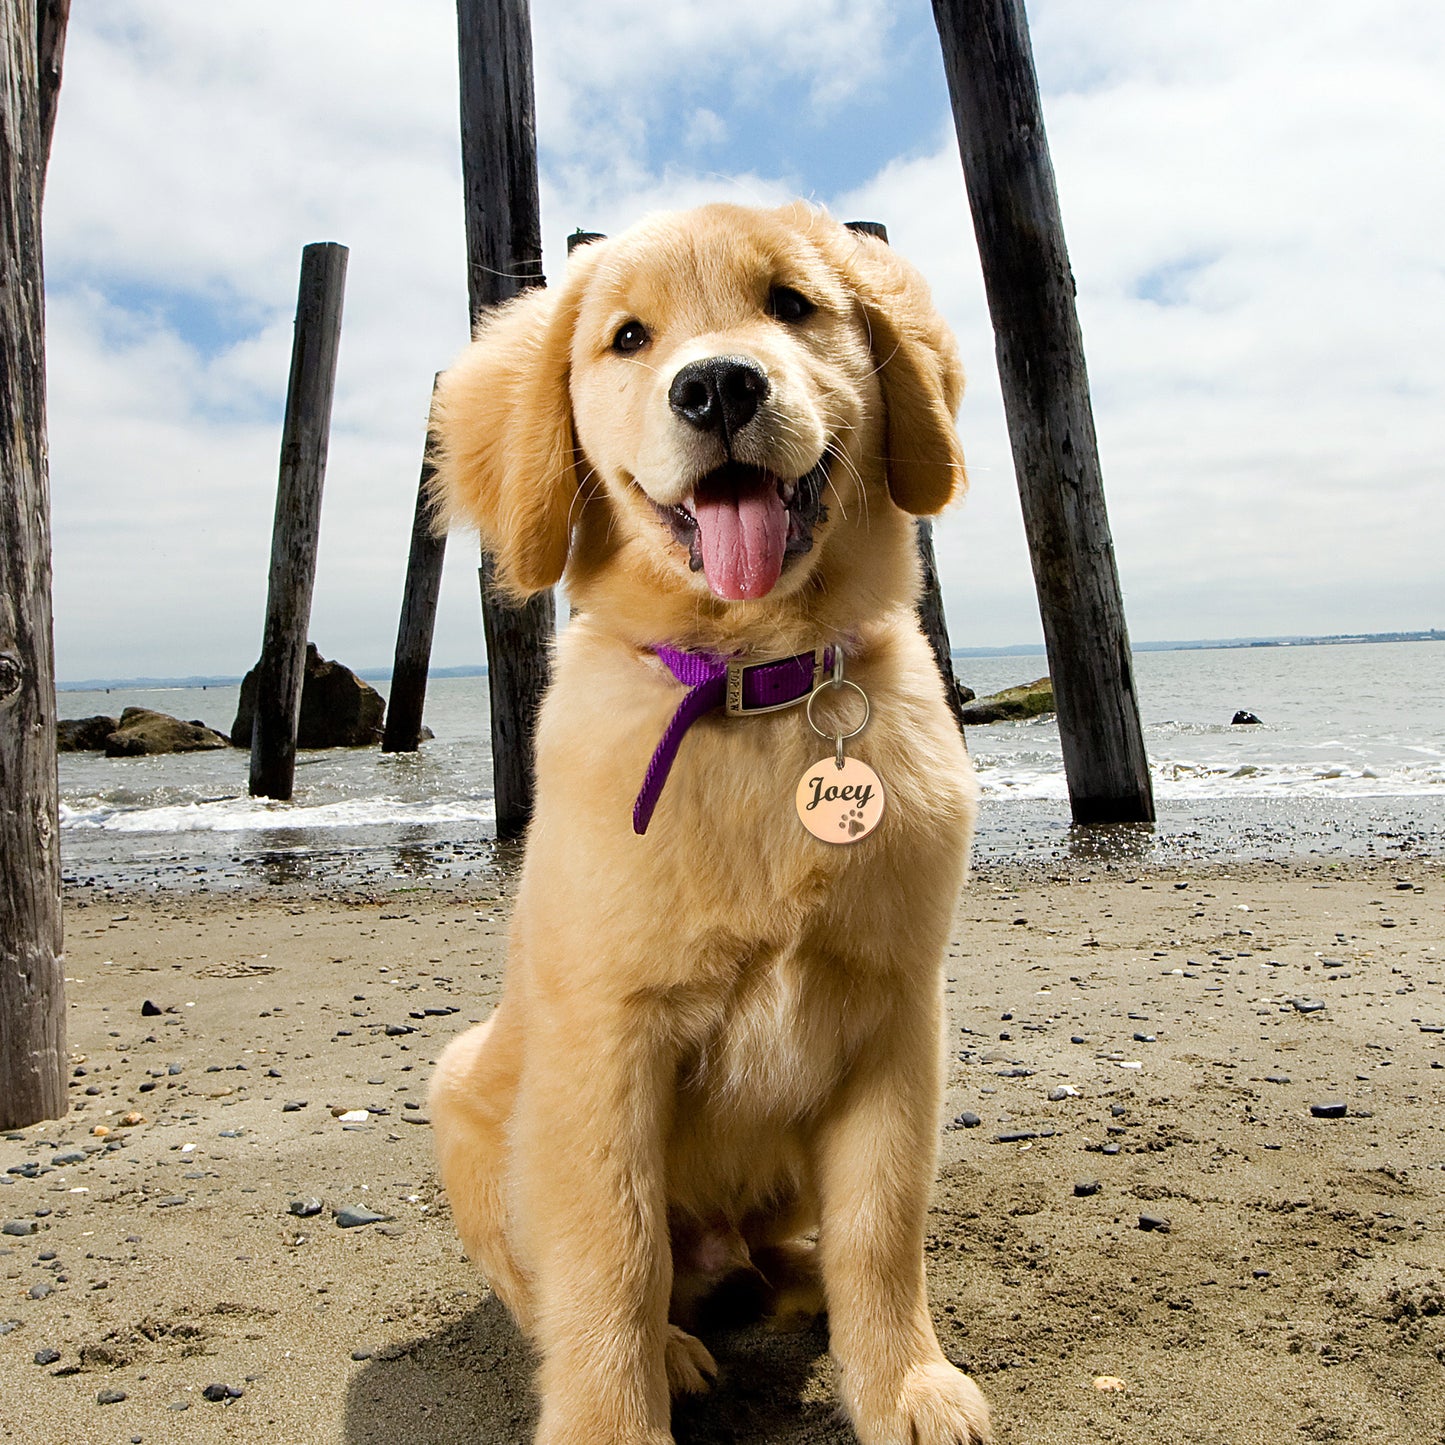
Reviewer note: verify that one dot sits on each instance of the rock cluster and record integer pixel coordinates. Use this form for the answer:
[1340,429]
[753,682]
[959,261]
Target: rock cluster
[138,732]
[338,709]
[1013,704]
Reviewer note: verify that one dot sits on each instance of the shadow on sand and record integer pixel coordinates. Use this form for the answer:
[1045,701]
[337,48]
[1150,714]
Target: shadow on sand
[471,1381]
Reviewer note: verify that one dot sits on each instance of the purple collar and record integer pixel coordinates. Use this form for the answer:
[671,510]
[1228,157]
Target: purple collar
[743,688]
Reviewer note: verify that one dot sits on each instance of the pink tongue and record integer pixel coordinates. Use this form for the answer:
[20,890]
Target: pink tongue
[742,539]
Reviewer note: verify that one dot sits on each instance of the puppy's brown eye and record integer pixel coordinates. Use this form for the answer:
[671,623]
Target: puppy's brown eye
[632,336]
[789,305]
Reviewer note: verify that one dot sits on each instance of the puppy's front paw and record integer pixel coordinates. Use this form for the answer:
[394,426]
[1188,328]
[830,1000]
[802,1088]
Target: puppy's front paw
[935,1405]
[690,1368]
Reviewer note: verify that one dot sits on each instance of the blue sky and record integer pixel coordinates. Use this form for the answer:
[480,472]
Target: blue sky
[1254,247]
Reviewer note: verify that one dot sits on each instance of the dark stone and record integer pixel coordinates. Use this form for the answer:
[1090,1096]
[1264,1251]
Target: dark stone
[1148,1222]
[1085,1188]
[1244,719]
[110,1397]
[338,709]
[967,1120]
[216,1392]
[304,1208]
[1013,704]
[84,734]
[1330,1109]
[148,1010]
[142,733]
[46,1357]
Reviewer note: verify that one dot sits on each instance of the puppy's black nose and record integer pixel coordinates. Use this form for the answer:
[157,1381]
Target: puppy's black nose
[720,394]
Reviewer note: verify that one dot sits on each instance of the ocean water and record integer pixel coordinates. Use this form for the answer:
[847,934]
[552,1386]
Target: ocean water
[1349,759]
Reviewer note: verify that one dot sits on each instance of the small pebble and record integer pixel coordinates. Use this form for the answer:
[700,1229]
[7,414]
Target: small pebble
[148,1010]
[354,1214]
[968,1120]
[1276,1078]
[304,1208]
[110,1397]
[1154,1222]
[46,1357]
[217,1392]
[1063,1091]
[1308,1005]
[1330,1109]
[19,1227]
[1085,1188]
[292,1105]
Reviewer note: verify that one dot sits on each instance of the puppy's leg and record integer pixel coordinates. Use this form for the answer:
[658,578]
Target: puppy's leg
[876,1153]
[591,1115]
[472,1096]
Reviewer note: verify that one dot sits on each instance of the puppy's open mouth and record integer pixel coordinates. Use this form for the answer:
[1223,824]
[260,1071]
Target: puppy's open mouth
[742,523]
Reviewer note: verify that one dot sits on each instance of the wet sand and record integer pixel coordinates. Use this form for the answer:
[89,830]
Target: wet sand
[1294,1291]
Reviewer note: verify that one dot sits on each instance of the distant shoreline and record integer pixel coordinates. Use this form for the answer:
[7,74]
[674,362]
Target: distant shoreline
[1029,649]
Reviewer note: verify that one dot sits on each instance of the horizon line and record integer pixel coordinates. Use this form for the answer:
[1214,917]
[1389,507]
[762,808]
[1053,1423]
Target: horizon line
[1022,649]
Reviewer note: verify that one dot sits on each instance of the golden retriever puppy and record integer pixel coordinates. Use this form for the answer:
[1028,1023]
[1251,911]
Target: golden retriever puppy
[718,1053]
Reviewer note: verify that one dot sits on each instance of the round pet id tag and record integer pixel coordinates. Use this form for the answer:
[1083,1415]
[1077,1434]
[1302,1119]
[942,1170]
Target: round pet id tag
[840,802]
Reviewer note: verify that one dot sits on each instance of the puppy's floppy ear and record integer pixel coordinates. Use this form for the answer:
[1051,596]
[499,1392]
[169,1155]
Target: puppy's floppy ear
[505,454]
[918,370]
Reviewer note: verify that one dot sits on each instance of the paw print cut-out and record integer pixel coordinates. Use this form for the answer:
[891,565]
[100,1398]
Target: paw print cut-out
[852,821]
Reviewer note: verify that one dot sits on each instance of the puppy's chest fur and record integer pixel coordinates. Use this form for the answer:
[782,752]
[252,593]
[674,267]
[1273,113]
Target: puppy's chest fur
[777,1043]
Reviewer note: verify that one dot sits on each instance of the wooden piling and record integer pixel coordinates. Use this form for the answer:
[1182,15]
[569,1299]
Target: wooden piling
[930,597]
[1011,191]
[32,981]
[931,619]
[504,255]
[52,20]
[297,527]
[407,699]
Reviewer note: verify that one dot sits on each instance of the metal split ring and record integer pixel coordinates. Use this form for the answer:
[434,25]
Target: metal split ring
[813,697]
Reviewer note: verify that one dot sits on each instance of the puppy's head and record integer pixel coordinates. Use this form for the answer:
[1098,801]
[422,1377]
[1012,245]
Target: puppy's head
[707,402]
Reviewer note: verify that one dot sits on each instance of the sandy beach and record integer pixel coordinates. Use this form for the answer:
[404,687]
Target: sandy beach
[1132,1186]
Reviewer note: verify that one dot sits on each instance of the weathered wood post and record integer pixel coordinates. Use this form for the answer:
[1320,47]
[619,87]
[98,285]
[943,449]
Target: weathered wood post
[52,19]
[504,255]
[32,976]
[1011,191]
[407,700]
[297,528]
[930,598]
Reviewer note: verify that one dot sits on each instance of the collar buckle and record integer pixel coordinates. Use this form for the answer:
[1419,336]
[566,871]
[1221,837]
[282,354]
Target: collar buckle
[734,702]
